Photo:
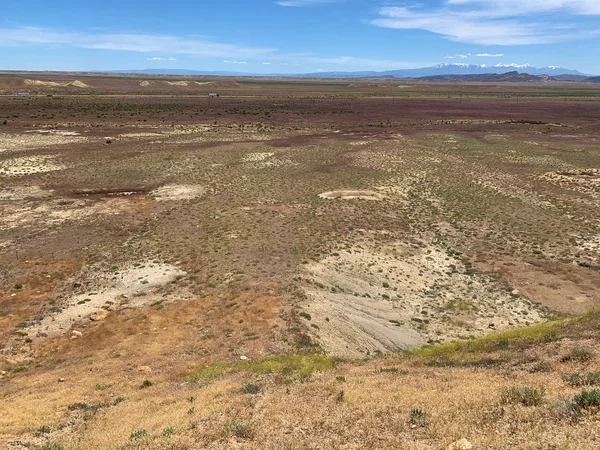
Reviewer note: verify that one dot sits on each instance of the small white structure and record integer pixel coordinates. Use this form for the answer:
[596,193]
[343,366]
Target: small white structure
[213,95]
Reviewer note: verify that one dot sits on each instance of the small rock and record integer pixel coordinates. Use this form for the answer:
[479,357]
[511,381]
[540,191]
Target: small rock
[99,315]
[26,349]
[76,333]
[12,362]
[462,444]
[61,380]
[111,308]
[3,373]
[145,369]
[244,358]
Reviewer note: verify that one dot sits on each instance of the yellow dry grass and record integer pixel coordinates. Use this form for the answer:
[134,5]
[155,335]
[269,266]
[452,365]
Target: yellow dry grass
[348,405]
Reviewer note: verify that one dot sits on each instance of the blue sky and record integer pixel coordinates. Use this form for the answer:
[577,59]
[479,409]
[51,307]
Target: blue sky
[297,36]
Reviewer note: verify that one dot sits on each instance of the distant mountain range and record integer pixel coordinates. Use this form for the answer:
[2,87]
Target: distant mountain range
[434,71]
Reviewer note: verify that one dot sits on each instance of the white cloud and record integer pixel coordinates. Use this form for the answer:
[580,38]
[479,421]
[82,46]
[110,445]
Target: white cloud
[488,55]
[266,64]
[234,62]
[143,43]
[160,58]
[491,22]
[507,8]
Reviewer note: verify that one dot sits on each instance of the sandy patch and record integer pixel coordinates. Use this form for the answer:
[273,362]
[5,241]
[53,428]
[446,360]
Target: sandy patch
[136,283]
[583,180]
[79,84]
[399,296]
[75,83]
[13,193]
[140,135]
[178,192]
[145,83]
[41,83]
[352,195]
[177,83]
[56,211]
[29,165]
[56,132]
[256,157]
[38,139]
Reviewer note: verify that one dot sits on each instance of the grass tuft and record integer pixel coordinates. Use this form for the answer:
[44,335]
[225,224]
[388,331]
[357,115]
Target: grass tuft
[526,396]
[293,367]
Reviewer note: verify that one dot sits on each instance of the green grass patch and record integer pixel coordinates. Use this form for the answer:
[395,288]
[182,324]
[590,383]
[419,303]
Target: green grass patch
[293,367]
[517,338]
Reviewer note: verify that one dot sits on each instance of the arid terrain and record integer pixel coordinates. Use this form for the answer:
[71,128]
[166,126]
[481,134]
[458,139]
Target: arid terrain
[298,264]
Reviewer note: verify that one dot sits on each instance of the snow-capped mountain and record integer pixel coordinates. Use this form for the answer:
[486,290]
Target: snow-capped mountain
[438,70]
[452,69]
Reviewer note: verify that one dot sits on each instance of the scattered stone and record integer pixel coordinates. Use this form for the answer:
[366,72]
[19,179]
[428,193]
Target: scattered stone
[111,308]
[244,358]
[99,315]
[144,369]
[76,333]
[11,362]
[462,444]
[61,380]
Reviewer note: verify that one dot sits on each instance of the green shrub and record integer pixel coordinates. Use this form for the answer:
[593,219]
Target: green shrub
[146,384]
[44,429]
[239,428]
[524,395]
[138,434]
[305,315]
[576,379]
[251,389]
[588,399]
[578,354]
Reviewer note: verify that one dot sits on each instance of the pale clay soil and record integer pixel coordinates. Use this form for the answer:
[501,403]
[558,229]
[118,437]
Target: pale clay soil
[369,299]
[124,286]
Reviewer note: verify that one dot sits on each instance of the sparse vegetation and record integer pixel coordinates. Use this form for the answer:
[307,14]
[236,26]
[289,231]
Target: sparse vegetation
[576,379]
[202,243]
[239,428]
[524,395]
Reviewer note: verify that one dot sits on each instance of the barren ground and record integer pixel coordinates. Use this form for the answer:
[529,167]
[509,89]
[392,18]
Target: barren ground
[160,252]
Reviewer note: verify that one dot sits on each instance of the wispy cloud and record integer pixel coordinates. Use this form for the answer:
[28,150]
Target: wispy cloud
[459,56]
[143,43]
[491,22]
[153,44]
[490,55]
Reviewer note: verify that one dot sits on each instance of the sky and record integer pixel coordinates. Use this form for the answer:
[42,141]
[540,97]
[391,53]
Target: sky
[297,36]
